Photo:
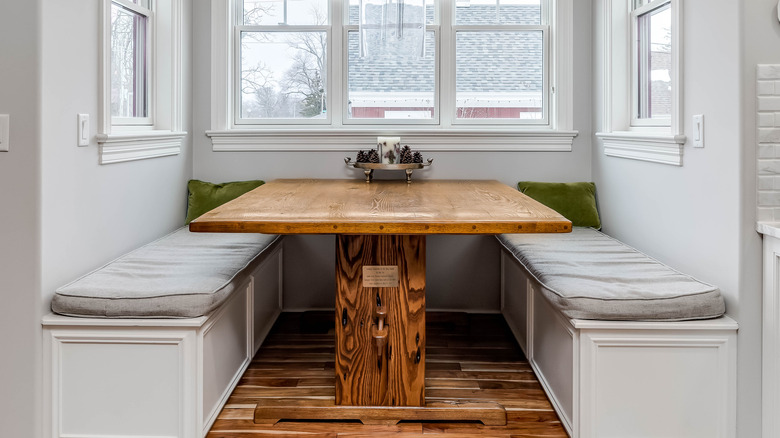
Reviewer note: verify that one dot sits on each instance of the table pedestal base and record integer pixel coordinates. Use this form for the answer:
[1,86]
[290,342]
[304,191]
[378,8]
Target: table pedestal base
[273,411]
[380,320]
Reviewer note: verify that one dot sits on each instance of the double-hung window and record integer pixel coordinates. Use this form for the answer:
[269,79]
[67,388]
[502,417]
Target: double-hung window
[501,61]
[281,73]
[642,80]
[141,79]
[651,63]
[287,71]
[131,38]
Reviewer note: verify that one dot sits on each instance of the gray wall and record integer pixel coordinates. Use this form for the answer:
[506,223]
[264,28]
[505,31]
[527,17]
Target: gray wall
[62,213]
[92,213]
[458,277]
[20,340]
[699,218]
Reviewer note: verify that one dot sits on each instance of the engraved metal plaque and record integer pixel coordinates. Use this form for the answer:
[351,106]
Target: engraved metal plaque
[380,276]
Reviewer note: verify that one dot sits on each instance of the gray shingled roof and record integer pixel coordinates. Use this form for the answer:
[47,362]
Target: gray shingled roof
[497,62]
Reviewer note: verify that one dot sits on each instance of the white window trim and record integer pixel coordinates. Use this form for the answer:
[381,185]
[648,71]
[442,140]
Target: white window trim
[658,121]
[657,144]
[558,135]
[163,136]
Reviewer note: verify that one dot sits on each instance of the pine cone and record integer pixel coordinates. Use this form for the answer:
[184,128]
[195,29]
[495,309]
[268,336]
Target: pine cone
[361,157]
[373,156]
[406,155]
[417,158]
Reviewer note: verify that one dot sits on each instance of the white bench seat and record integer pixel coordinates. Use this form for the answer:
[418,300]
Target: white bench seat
[644,363]
[589,275]
[181,275]
[162,337]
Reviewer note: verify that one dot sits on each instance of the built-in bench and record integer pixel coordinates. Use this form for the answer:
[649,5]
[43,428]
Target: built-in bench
[624,346]
[153,343]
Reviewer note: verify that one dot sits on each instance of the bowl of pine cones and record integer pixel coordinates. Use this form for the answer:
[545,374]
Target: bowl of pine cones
[405,159]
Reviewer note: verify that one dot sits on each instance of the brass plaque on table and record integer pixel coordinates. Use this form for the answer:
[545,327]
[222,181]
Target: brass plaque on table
[380,276]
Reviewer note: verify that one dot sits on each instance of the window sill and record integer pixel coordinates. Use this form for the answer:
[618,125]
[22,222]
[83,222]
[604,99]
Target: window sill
[655,148]
[330,140]
[138,145]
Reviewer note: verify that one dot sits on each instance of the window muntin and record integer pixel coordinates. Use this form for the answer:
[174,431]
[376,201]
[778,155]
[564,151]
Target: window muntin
[130,62]
[651,71]
[408,94]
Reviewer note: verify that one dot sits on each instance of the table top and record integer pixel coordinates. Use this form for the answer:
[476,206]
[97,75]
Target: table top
[330,206]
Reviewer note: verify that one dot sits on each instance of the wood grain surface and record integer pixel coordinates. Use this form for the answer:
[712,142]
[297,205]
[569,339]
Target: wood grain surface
[296,362]
[393,375]
[311,206]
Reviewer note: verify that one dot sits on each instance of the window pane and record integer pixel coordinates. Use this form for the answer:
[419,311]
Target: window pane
[354,12]
[283,75]
[499,75]
[391,87]
[129,82]
[655,63]
[471,12]
[274,12]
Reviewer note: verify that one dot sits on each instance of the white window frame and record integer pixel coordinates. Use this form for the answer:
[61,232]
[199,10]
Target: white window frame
[388,123]
[622,134]
[237,75]
[160,133]
[546,55]
[148,64]
[636,85]
[349,135]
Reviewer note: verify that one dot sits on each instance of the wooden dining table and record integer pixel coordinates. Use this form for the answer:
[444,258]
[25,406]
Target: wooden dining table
[380,229]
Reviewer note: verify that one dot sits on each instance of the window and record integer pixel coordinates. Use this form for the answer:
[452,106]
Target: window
[652,63]
[289,70]
[141,83]
[283,66]
[500,61]
[388,86]
[642,80]
[130,61]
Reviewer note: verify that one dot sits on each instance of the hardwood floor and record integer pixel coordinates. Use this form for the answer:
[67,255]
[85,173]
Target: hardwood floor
[469,358]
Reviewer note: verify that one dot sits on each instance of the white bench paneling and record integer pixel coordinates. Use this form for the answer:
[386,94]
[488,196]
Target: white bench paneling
[155,378]
[618,379]
[103,376]
[227,351]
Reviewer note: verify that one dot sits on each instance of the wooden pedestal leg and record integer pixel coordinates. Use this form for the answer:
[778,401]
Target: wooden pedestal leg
[380,363]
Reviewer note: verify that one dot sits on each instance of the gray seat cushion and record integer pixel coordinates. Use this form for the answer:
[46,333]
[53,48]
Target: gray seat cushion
[181,275]
[589,275]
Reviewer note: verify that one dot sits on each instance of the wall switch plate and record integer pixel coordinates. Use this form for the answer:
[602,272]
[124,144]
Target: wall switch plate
[5,132]
[83,129]
[698,131]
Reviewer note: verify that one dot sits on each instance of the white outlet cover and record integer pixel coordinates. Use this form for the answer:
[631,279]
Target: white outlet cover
[5,132]
[83,129]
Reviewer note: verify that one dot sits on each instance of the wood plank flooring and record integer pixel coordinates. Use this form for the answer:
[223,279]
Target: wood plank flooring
[469,357]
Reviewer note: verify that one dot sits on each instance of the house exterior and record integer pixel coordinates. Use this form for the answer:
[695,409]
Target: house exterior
[63,214]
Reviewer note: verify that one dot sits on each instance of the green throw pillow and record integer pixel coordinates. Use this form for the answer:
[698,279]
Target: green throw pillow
[204,196]
[574,201]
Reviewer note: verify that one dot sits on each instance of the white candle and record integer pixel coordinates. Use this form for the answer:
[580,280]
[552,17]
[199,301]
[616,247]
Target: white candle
[388,148]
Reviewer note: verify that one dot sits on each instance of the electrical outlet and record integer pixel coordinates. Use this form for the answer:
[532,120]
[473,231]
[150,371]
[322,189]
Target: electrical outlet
[5,132]
[698,131]
[83,129]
